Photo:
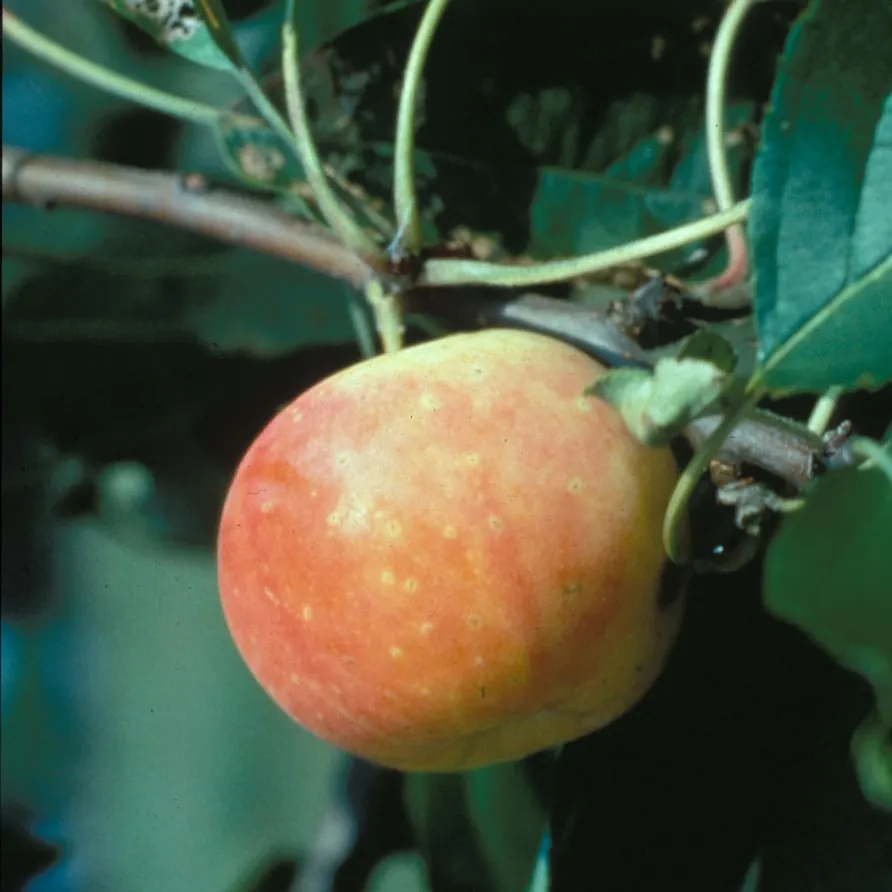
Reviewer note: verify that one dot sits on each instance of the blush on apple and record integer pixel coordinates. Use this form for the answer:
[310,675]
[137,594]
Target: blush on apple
[449,556]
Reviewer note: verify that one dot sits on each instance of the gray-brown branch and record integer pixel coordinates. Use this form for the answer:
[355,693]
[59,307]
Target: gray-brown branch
[252,223]
[176,200]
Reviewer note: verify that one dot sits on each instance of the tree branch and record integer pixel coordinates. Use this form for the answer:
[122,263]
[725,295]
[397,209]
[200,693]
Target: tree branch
[780,452]
[477,307]
[175,200]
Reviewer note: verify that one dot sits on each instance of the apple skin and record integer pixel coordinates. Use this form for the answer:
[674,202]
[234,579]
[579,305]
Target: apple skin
[449,557]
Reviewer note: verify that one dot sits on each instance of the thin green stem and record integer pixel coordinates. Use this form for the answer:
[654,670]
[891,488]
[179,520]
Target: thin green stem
[476,272]
[388,316]
[378,221]
[264,106]
[722,187]
[823,410]
[336,214]
[715,101]
[874,453]
[675,520]
[104,78]
[362,327]
[405,202]
[788,506]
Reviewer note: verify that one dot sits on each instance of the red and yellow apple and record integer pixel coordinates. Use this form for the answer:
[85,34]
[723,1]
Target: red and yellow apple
[449,556]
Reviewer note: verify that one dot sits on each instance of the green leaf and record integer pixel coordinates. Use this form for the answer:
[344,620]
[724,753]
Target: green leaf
[258,155]
[191,28]
[872,748]
[656,406]
[480,830]
[820,227]
[656,178]
[319,22]
[710,346]
[275,873]
[829,571]
[509,820]
[155,285]
[738,334]
[295,307]
[216,21]
[437,808]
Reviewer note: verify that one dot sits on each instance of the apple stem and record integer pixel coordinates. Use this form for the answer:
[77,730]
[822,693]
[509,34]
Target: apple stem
[386,307]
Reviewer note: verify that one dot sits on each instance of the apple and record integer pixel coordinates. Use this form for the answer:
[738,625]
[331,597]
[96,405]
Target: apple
[450,556]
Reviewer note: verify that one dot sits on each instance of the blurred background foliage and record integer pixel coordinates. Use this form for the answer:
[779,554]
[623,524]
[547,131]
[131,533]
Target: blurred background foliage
[139,362]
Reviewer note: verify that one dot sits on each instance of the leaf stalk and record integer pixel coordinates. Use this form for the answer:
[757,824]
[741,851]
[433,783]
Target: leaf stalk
[476,272]
[96,75]
[405,201]
[336,214]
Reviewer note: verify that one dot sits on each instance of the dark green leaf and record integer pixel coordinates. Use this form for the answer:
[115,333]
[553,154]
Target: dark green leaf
[295,307]
[214,17]
[730,344]
[820,227]
[659,182]
[708,345]
[438,810]
[509,819]
[188,292]
[741,335]
[829,571]
[274,874]
[180,26]
[319,22]
[872,749]
[258,155]
[480,831]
